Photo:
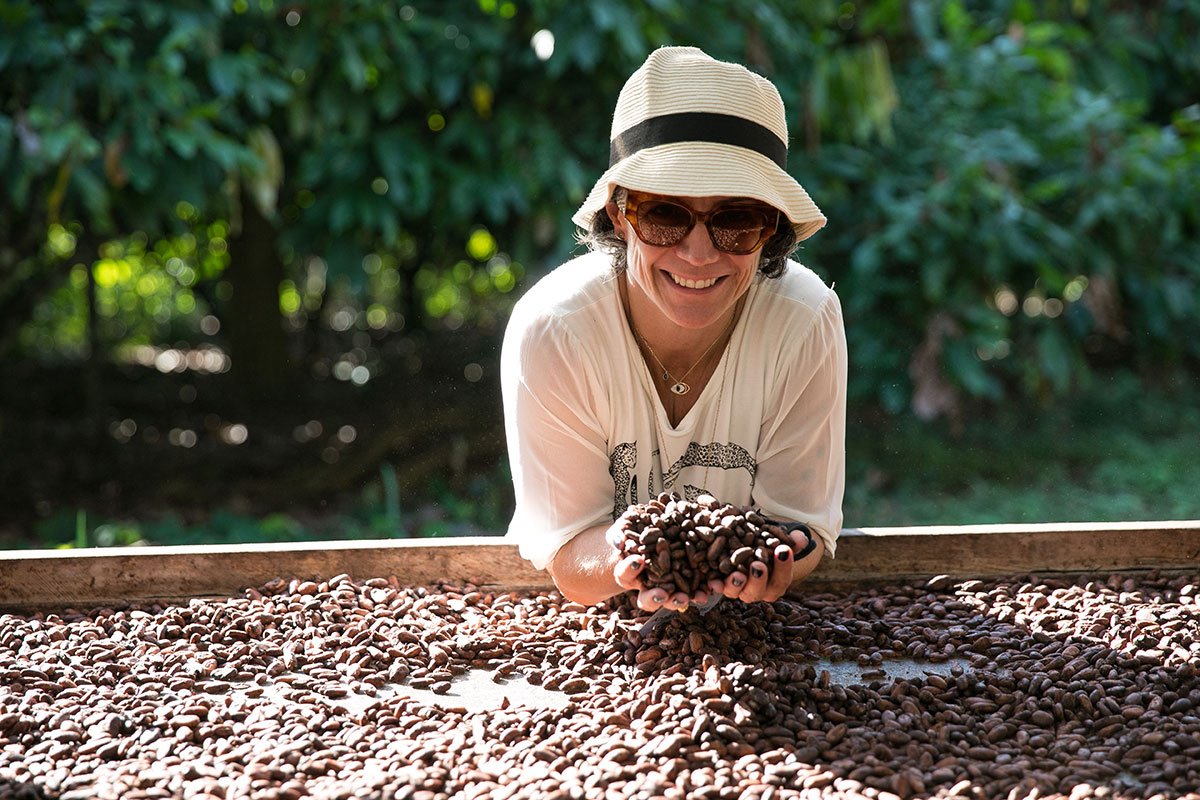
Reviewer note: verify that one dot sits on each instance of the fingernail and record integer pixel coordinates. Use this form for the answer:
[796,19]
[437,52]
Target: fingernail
[756,572]
[737,582]
[784,555]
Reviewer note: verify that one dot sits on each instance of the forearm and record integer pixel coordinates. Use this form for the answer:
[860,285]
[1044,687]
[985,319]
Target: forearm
[583,568]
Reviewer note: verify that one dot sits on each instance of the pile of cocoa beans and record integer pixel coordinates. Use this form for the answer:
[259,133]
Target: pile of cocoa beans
[1055,689]
[687,543]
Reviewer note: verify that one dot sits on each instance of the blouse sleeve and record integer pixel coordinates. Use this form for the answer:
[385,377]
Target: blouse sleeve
[557,449]
[802,451]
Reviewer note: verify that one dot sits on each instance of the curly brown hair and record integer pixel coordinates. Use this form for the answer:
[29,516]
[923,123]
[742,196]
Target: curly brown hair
[602,236]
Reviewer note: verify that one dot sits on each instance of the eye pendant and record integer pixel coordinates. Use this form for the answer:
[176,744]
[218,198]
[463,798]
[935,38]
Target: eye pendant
[680,388]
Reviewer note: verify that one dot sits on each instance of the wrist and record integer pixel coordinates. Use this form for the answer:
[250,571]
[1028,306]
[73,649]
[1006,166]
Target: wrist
[810,543]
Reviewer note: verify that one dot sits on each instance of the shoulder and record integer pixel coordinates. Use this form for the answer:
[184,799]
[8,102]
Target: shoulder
[568,289]
[796,300]
[563,308]
[798,285]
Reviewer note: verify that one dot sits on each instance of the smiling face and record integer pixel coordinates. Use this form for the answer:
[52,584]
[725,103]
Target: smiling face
[691,285]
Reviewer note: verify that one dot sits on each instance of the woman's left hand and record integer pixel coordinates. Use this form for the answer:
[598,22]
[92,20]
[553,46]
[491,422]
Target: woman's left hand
[761,583]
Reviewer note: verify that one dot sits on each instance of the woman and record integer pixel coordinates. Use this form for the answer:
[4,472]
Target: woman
[684,353]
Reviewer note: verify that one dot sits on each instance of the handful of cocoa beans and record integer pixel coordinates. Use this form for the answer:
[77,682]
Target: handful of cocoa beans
[687,543]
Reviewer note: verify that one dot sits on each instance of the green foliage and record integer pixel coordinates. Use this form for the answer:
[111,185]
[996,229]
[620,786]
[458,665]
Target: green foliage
[1026,218]
[1011,186]
[108,112]
[384,130]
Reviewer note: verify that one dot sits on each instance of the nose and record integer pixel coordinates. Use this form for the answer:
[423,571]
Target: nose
[697,247]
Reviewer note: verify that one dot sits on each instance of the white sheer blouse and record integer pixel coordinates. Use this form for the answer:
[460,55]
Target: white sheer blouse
[588,436]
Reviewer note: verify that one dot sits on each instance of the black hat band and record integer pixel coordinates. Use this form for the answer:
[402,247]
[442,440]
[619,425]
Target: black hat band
[698,126]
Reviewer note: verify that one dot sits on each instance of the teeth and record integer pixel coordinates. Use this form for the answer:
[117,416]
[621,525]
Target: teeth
[692,284]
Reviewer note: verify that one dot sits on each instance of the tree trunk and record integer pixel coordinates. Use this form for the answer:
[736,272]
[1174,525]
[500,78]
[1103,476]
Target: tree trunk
[257,342]
[93,388]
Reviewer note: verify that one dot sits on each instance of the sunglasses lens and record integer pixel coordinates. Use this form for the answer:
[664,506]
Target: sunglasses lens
[663,224]
[738,230]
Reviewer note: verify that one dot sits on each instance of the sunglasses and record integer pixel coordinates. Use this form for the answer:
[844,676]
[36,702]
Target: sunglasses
[738,227]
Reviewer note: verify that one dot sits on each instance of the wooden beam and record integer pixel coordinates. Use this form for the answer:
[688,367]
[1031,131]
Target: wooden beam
[97,577]
[57,578]
[872,554]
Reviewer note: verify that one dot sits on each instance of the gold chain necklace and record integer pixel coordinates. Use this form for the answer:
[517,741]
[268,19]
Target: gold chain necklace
[679,386]
[663,455]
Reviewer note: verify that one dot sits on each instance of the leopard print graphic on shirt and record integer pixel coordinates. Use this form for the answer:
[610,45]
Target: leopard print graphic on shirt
[623,461]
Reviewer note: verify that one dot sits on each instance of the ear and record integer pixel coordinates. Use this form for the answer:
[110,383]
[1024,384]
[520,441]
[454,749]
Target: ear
[618,220]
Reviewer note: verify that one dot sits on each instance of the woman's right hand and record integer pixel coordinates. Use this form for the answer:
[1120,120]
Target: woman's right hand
[628,575]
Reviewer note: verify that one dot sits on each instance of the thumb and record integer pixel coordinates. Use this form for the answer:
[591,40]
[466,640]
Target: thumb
[628,572]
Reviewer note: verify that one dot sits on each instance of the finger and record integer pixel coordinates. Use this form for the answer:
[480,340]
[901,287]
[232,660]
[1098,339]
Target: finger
[651,599]
[781,574]
[678,601]
[699,598]
[628,572]
[756,584]
[734,585]
[716,586]
[799,541]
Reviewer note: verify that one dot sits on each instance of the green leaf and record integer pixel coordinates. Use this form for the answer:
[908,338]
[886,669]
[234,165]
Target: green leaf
[57,142]
[225,74]
[182,141]
[353,66]
[226,152]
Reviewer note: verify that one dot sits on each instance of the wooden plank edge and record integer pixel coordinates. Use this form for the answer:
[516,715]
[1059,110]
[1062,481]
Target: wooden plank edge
[109,576]
[48,579]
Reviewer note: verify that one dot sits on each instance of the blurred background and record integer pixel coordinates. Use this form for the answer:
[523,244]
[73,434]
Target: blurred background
[256,257]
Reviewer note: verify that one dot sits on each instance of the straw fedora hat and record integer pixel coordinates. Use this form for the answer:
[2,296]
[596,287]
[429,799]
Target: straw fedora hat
[691,126]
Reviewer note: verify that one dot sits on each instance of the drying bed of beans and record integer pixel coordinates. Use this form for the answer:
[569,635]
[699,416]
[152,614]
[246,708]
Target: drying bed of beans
[1071,688]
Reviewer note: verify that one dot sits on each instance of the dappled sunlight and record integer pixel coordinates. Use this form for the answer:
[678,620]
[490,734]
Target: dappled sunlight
[215,429]
[208,359]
